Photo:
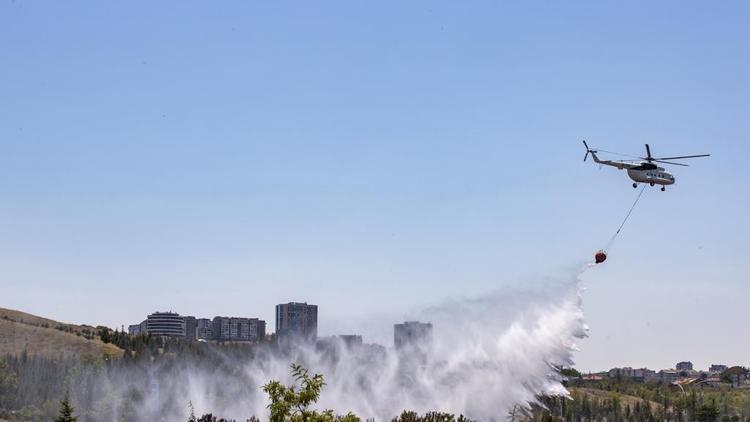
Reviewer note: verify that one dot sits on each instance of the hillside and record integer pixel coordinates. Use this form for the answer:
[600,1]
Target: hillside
[20,331]
[598,395]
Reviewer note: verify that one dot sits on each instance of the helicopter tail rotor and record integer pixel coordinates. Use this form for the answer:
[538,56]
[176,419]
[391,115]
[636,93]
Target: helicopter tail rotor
[588,150]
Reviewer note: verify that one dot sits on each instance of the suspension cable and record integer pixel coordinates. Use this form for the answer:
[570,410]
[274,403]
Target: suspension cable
[627,216]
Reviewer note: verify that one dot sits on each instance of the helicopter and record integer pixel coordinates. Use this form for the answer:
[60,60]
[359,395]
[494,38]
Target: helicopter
[643,170]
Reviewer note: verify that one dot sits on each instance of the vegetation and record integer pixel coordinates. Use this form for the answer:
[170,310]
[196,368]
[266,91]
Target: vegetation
[733,374]
[570,372]
[20,331]
[624,400]
[31,387]
[409,416]
[7,383]
[292,403]
[66,411]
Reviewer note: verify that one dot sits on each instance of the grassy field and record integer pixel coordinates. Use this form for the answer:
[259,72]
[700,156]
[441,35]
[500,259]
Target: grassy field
[20,331]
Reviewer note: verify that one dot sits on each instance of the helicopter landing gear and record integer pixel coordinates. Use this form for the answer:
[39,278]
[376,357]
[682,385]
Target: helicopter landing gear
[635,185]
[663,188]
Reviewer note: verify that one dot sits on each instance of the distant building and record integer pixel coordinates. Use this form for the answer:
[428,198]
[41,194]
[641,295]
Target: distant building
[220,328]
[238,329]
[297,320]
[668,376]
[351,340]
[203,329]
[620,372]
[165,324]
[137,329]
[712,382]
[260,329]
[412,333]
[684,366]
[373,352]
[346,341]
[190,327]
[641,374]
[717,369]
[644,374]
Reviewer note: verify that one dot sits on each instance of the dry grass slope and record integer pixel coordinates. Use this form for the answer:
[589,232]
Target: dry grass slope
[20,331]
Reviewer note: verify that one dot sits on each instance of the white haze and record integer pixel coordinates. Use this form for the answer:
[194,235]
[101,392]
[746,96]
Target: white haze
[489,354]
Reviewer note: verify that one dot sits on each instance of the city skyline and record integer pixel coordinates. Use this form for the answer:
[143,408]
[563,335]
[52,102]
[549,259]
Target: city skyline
[415,331]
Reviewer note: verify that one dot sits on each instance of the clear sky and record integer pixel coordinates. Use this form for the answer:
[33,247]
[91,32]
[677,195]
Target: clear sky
[219,158]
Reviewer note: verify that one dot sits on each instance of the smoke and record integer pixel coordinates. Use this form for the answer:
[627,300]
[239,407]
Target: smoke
[486,355]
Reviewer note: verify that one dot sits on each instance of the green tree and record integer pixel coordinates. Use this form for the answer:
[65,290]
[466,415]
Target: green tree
[733,374]
[292,403]
[570,372]
[707,412]
[410,416]
[407,416]
[66,411]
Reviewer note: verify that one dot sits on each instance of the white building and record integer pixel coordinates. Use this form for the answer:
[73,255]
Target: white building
[165,324]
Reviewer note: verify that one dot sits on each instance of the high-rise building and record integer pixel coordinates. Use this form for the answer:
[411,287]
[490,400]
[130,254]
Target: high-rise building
[220,328]
[260,329]
[191,325]
[165,324]
[412,333]
[239,328]
[684,366]
[297,320]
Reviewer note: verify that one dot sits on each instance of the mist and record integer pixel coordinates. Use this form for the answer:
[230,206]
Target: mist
[487,355]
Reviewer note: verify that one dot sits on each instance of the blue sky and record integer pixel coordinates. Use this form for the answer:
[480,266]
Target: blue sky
[376,156]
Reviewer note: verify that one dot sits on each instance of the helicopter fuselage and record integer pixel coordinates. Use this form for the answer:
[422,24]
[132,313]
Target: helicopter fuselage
[651,174]
[643,172]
